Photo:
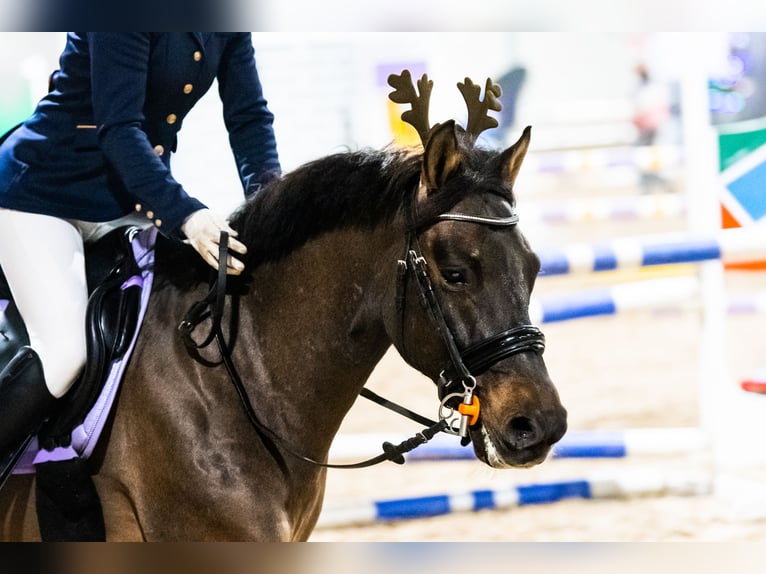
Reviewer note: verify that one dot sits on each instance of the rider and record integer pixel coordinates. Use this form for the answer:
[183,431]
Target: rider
[98,148]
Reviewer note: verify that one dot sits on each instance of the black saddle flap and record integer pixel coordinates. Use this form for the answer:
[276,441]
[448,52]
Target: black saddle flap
[111,320]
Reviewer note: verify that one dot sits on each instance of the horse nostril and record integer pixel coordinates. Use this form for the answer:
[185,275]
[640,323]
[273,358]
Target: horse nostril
[523,432]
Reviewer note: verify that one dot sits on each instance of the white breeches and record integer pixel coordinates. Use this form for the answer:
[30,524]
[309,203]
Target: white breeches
[43,260]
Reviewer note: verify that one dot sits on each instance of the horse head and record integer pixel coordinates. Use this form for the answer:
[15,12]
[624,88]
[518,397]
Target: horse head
[464,289]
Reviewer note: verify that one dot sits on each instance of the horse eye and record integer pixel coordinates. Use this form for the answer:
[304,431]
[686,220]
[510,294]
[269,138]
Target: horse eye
[453,276]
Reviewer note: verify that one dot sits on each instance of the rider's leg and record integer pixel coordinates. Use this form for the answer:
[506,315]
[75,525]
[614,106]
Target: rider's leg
[25,402]
[43,260]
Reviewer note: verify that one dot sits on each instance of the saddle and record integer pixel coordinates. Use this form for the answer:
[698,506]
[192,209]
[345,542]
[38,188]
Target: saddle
[111,320]
[118,294]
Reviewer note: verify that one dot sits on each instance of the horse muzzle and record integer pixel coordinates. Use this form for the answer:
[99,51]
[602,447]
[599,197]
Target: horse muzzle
[517,441]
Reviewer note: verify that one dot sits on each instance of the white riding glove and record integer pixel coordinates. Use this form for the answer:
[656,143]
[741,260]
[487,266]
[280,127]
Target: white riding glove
[203,232]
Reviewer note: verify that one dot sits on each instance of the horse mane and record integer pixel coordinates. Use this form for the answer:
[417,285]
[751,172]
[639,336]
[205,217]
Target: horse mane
[361,189]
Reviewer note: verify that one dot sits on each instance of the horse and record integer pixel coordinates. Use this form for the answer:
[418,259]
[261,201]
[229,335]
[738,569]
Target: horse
[329,286]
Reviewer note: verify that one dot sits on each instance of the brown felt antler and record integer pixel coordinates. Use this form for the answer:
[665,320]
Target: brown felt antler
[405,93]
[478,119]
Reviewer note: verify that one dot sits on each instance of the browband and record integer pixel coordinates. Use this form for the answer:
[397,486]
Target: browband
[513,219]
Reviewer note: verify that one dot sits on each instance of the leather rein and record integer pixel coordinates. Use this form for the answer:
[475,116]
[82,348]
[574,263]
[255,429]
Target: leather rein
[464,365]
[212,307]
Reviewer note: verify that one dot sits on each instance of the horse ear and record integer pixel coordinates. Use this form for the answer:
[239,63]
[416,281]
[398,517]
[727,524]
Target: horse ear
[441,157]
[510,159]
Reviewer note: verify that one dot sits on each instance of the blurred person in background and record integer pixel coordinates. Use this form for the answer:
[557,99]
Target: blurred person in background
[651,112]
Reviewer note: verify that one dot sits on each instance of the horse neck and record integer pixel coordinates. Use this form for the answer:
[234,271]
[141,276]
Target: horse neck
[316,321]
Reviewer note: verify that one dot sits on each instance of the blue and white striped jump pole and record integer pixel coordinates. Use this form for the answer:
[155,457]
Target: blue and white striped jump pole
[621,485]
[574,444]
[674,293]
[613,300]
[730,246]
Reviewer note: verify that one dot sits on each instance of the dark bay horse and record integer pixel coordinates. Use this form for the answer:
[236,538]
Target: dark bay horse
[327,293]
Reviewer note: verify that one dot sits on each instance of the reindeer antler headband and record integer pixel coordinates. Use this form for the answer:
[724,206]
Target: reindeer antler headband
[478,118]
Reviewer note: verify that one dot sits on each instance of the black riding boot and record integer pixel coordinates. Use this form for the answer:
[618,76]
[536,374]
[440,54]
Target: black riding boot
[24,404]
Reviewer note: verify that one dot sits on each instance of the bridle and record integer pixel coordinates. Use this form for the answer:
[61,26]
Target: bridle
[463,368]
[212,307]
[457,380]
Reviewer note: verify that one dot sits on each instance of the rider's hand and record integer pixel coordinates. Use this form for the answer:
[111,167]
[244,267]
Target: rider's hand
[203,232]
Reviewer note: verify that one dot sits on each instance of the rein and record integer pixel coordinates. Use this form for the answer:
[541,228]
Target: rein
[212,307]
[464,365]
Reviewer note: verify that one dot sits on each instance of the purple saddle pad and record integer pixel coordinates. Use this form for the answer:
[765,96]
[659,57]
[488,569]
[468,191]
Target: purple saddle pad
[86,435]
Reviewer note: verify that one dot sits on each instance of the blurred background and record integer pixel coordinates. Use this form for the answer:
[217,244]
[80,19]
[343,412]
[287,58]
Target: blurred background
[634,134]
[328,90]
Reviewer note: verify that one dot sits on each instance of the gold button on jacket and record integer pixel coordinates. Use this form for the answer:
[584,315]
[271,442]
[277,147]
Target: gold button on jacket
[97,168]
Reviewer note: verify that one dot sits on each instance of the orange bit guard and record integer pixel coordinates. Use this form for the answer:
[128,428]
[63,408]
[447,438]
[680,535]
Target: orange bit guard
[471,410]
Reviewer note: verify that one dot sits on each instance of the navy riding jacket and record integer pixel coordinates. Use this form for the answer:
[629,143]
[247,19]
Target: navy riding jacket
[98,145]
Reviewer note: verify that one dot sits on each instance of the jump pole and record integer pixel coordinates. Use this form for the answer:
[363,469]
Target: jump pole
[622,443]
[659,294]
[613,300]
[604,486]
[597,158]
[756,383]
[730,246]
[747,303]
